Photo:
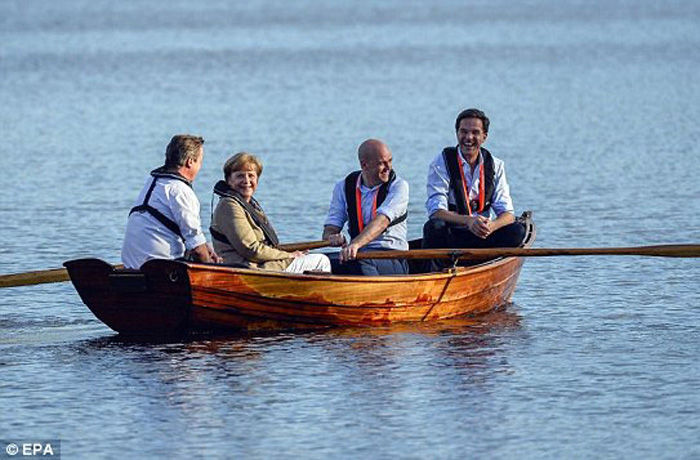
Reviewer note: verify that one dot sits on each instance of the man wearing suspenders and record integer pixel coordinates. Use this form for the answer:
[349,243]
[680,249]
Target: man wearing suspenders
[374,203]
[469,201]
[165,222]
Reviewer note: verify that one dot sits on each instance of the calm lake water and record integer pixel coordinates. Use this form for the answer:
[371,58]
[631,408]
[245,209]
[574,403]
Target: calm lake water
[594,107]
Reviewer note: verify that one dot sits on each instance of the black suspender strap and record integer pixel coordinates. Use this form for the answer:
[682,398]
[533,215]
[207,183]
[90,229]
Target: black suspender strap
[398,220]
[159,216]
[217,235]
[489,177]
[350,200]
[449,154]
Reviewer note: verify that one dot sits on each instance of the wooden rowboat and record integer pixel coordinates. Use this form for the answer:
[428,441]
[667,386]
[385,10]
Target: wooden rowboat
[167,297]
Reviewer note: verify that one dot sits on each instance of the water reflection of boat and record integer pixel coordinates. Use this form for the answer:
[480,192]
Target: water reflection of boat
[167,296]
[498,319]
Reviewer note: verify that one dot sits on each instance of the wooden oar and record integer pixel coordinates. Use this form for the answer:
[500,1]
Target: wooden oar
[57,275]
[291,247]
[667,250]
[54,275]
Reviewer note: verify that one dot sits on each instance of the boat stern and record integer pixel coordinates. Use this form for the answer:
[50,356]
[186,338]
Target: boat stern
[154,300]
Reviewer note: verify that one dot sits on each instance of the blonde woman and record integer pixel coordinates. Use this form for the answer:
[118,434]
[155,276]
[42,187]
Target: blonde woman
[242,234]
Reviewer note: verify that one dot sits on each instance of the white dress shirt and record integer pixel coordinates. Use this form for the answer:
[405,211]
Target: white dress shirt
[146,238]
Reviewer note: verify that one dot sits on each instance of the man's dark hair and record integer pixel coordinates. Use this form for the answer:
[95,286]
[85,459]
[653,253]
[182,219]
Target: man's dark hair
[473,113]
[181,148]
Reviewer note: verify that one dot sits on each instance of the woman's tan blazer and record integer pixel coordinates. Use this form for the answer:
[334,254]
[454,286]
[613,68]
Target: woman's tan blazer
[247,239]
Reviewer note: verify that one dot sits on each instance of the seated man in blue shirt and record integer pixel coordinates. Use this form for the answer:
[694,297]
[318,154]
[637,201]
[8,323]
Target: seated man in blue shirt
[374,203]
[467,188]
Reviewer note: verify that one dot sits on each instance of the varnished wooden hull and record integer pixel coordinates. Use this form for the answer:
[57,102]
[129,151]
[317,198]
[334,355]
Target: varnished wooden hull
[223,296]
[169,297]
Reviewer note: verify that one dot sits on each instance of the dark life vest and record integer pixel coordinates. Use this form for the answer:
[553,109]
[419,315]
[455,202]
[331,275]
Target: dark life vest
[351,200]
[449,154]
[170,224]
[252,208]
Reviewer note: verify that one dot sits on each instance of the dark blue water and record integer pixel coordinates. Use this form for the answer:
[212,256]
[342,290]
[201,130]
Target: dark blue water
[594,108]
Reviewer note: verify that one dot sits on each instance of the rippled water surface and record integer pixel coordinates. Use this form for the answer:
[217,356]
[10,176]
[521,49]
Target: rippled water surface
[594,108]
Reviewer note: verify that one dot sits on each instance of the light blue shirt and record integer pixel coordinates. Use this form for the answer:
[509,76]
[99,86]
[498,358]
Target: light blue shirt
[395,205]
[440,194]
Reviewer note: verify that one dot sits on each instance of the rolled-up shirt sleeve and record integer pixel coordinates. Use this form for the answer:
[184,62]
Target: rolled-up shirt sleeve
[501,201]
[338,211]
[185,208]
[396,202]
[438,186]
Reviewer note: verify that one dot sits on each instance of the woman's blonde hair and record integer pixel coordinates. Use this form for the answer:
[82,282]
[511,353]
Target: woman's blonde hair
[239,160]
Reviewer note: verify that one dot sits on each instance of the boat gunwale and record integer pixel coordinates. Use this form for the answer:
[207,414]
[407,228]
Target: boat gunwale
[526,218]
[448,273]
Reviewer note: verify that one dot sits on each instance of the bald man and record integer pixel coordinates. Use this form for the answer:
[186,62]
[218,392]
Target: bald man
[377,222]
